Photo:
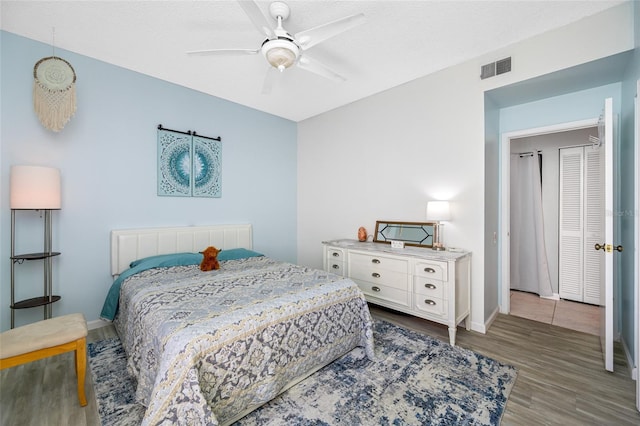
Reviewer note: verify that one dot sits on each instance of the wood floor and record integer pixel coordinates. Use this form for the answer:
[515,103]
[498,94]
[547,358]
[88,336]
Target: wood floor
[563,313]
[560,377]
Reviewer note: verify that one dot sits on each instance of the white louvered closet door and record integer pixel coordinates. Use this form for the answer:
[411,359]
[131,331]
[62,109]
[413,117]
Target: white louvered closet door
[580,224]
[570,252]
[593,209]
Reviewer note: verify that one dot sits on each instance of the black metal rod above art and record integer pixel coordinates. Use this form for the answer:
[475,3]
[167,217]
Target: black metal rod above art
[189,132]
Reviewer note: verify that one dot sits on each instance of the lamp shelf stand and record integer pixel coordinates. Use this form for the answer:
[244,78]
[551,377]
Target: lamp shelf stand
[48,298]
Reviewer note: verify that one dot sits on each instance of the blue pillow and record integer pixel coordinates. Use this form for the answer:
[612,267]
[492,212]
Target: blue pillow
[173,259]
[237,253]
[184,259]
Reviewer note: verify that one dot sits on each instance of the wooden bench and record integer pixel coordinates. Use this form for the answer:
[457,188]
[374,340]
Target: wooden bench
[48,338]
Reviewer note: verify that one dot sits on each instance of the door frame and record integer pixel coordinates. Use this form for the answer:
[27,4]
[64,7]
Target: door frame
[636,262]
[504,179]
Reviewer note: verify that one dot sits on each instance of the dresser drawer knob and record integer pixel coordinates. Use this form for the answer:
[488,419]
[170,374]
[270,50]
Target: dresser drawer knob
[374,288]
[376,261]
[428,285]
[375,275]
[335,254]
[335,266]
[430,270]
[429,302]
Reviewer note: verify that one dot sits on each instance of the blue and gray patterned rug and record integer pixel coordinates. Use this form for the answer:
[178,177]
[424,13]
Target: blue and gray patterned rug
[416,380]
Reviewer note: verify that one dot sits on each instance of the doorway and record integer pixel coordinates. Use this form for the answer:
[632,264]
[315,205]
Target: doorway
[565,270]
[548,139]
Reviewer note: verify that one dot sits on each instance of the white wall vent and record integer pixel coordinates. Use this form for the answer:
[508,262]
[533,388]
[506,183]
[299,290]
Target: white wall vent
[503,65]
[488,70]
[495,68]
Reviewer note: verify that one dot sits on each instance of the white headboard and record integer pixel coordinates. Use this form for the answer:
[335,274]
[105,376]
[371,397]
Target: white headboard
[128,245]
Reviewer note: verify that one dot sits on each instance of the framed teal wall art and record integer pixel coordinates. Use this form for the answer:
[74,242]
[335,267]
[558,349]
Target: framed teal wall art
[189,165]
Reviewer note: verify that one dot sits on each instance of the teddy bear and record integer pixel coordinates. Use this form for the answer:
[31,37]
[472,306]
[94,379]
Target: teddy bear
[210,259]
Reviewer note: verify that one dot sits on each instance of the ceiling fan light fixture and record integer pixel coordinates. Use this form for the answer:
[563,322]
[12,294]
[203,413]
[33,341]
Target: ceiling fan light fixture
[280,54]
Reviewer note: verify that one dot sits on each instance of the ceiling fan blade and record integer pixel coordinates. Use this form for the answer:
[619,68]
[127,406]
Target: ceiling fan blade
[313,36]
[269,79]
[257,17]
[226,52]
[309,64]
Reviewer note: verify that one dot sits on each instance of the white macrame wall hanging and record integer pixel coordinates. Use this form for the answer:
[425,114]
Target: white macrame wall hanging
[54,92]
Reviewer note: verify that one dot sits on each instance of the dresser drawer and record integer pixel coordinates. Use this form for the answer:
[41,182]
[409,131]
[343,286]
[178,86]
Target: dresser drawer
[425,287]
[431,305]
[433,270]
[379,276]
[379,262]
[336,267]
[335,254]
[383,292]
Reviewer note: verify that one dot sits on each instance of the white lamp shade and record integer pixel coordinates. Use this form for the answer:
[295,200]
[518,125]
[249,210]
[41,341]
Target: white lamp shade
[438,210]
[35,188]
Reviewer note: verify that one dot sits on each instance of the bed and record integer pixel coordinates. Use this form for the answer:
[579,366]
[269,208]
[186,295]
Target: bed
[210,347]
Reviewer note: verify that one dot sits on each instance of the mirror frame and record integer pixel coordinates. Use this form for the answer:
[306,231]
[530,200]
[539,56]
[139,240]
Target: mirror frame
[407,224]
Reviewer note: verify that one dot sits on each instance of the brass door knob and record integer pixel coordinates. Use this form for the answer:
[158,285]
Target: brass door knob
[608,247]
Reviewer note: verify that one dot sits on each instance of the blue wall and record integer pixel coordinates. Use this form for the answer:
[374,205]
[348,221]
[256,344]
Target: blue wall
[107,157]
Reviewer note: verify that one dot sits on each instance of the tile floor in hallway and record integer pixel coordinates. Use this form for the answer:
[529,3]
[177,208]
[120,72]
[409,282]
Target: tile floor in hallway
[563,313]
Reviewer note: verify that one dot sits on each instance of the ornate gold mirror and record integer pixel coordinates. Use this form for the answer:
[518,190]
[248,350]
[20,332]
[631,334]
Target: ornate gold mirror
[418,234]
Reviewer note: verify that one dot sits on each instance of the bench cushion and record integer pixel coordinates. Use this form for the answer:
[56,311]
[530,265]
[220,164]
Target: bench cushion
[42,334]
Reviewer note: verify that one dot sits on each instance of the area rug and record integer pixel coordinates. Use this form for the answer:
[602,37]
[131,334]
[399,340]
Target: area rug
[415,380]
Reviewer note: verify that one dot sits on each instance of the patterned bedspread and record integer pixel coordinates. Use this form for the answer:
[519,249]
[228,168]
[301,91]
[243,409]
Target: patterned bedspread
[209,347]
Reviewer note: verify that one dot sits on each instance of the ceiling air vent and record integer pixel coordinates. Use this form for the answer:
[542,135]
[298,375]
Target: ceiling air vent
[495,68]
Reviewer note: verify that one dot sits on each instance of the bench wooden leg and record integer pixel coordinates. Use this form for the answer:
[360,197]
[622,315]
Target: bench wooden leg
[80,349]
[81,368]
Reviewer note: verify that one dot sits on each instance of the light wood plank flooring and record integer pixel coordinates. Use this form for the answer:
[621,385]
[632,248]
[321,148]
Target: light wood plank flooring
[560,377]
[563,313]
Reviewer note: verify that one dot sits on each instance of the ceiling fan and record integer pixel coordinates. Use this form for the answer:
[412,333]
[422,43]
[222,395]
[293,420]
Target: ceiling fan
[283,50]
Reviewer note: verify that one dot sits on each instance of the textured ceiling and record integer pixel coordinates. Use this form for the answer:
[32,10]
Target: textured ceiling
[399,42]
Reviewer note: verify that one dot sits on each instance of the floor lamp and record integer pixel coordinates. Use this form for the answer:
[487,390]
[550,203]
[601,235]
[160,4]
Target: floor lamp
[34,188]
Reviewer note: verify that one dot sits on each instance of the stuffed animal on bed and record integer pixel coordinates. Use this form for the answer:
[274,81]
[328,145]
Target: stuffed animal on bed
[210,259]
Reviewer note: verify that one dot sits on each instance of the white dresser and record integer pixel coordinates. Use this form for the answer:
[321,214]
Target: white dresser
[429,284]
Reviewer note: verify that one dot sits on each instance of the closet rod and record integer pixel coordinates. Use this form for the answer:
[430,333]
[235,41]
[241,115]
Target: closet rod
[524,154]
[188,132]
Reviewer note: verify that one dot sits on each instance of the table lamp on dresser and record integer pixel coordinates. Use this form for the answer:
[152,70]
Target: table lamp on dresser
[438,211]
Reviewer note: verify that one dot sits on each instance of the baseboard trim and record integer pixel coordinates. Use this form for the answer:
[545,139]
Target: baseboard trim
[492,317]
[630,362]
[483,327]
[554,296]
[479,327]
[95,324]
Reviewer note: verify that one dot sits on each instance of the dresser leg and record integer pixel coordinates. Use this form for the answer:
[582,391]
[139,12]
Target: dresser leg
[467,323]
[452,336]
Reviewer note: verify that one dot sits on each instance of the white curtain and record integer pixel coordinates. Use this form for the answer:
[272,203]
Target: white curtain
[529,267]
